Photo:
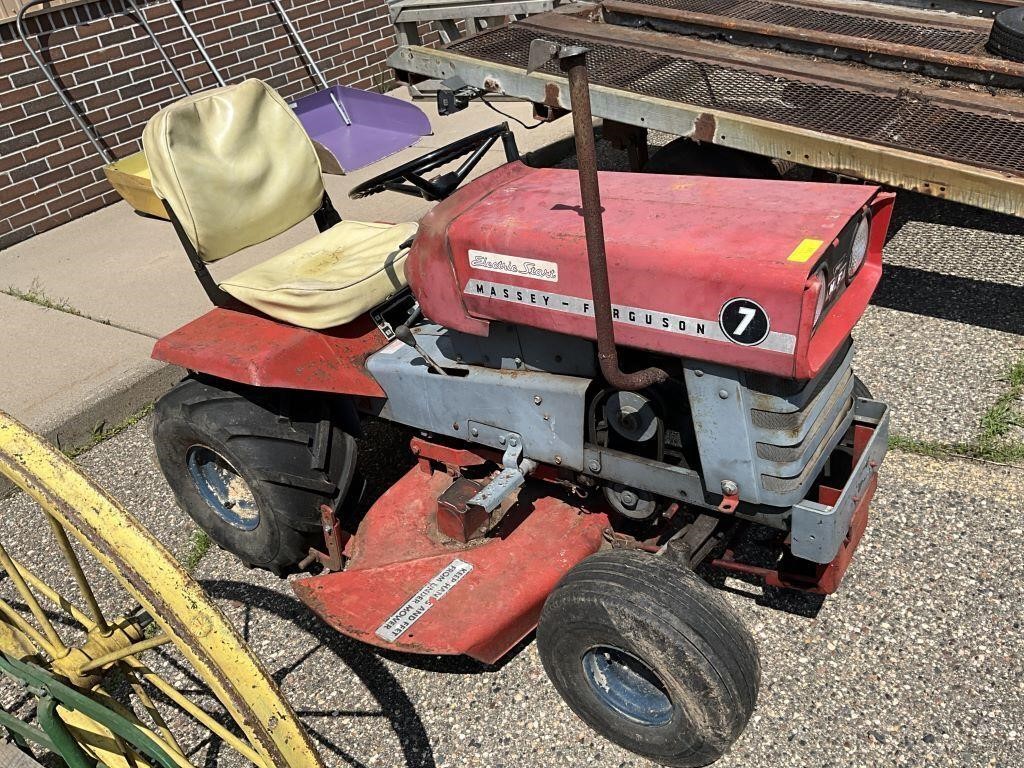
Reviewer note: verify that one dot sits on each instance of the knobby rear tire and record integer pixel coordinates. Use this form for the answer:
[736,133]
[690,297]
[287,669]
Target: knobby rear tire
[289,448]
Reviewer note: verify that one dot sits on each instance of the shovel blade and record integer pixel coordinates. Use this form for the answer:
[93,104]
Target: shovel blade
[381,125]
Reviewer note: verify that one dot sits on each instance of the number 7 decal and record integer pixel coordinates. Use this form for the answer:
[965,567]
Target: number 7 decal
[749,313]
[744,321]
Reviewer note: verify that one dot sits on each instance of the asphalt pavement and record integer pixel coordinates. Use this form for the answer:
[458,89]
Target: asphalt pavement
[917,661]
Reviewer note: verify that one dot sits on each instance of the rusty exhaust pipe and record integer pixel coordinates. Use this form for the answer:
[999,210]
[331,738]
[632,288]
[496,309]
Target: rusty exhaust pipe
[573,62]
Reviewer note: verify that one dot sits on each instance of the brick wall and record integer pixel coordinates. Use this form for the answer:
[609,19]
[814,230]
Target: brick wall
[50,173]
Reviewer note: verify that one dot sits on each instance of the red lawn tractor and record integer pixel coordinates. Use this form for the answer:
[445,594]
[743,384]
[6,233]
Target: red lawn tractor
[612,378]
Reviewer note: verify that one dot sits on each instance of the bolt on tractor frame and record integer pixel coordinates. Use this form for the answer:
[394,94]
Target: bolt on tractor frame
[610,379]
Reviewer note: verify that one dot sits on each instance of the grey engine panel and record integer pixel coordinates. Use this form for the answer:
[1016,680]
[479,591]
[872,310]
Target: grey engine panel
[818,530]
[546,410]
[771,444]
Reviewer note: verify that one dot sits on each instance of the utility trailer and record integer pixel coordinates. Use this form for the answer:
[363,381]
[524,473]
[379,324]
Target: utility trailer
[908,97]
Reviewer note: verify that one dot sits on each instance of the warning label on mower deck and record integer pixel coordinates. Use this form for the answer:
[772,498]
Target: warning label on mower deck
[399,622]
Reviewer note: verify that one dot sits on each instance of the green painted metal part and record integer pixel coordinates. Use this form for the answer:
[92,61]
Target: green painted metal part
[24,733]
[55,735]
[64,743]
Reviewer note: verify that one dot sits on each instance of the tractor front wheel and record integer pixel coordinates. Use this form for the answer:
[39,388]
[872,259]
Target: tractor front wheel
[650,657]
[252,467]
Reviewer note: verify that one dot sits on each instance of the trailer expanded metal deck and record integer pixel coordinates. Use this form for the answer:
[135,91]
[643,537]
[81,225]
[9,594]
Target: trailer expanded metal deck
[841,95]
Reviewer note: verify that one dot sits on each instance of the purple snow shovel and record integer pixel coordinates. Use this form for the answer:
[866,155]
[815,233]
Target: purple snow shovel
[356,127]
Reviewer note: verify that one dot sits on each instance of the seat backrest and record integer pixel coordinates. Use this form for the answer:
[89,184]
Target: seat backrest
[234,165]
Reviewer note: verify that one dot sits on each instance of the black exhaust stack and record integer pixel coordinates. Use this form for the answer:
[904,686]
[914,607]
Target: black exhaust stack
[572,59]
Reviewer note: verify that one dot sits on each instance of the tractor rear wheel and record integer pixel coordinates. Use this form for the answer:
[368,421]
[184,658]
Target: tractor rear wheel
[650,657]
[252,467]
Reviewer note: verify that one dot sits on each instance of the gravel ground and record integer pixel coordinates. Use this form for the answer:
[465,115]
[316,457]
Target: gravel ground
[938,376]
[929,615]
[947,317]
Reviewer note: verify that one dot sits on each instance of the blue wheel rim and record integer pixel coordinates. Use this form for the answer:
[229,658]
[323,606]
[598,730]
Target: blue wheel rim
[222,488]
[628,686]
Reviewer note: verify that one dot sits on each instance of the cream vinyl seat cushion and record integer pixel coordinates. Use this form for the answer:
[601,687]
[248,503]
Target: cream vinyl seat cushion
[235,167]
[330,279]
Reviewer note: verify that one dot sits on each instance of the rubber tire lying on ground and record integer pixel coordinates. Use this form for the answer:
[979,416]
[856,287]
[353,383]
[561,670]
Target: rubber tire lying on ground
[1007,36]
[289,451]
[657,611]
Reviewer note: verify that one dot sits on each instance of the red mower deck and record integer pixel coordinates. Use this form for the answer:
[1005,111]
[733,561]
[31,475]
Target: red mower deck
[407,587]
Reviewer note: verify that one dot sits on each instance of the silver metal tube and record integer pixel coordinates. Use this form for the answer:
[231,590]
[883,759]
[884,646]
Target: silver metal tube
[75,113]
[160,49]
[309,60]
[199,45]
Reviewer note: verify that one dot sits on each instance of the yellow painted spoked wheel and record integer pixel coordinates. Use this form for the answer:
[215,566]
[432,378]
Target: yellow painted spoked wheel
[89,598]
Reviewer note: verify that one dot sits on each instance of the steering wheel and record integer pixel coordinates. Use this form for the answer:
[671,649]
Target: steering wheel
[408,178]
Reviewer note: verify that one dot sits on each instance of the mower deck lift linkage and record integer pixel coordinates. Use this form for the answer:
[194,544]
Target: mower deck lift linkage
[573,61]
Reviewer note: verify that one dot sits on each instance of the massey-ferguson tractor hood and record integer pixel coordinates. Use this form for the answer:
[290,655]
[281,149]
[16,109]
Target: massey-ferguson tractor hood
[742,272]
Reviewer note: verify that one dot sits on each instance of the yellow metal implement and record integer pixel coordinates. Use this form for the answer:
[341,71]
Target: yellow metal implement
[184,618]
[130,177]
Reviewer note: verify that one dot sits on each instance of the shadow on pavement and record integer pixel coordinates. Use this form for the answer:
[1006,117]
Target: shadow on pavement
[911,206]
[786,600]
[987,303]
[997,306]
[362,660]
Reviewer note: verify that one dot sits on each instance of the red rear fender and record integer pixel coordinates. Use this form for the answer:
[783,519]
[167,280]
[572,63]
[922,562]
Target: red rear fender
[240,345]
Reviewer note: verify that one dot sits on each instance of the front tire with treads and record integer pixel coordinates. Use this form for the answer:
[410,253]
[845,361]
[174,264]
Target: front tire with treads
[251,467]
[650,657]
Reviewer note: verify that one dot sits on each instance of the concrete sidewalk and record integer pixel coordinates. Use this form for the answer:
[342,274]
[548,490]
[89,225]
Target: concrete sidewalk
[90,297]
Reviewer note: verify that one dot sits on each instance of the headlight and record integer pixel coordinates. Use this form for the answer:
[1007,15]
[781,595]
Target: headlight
[819,279]
[859,248]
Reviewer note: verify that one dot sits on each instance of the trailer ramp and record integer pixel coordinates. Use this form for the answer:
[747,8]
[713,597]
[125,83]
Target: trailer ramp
[895,125]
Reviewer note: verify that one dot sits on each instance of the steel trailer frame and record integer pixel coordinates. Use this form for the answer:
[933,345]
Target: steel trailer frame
[973,184]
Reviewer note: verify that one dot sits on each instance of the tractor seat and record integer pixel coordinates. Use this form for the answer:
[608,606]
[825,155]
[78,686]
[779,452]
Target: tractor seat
[234,167]
[330,279]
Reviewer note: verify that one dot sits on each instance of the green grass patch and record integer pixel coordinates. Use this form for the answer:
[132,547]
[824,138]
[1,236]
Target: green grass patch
[104,431]
[198,547]
[37,295]
[1004,413]
[932,448]
[992,442]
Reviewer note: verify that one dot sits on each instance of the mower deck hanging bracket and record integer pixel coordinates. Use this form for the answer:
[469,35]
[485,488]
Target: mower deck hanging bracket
[507,481]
